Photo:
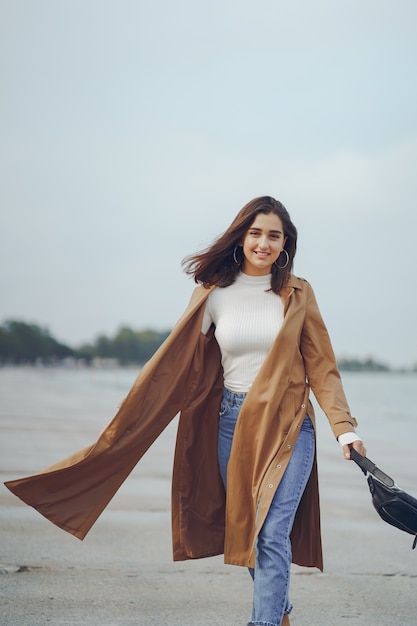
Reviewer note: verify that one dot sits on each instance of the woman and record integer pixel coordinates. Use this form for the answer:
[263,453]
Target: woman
[238,366]
[247,312]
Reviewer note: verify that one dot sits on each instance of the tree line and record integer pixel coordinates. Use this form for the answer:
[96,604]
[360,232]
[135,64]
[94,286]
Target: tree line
[23,343]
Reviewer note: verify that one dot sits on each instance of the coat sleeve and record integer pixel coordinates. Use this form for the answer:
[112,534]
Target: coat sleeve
[321,368]
[73,492]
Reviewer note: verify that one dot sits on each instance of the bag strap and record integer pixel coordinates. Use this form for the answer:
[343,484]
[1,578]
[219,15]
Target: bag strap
[366,465]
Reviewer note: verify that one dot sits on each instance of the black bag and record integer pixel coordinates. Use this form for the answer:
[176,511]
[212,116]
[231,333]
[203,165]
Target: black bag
[395,506]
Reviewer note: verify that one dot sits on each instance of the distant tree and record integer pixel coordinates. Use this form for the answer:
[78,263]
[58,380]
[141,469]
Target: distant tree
[127,346]
[149,342]
[21,342]
[6,345]
[136,347]
[366,365]
[86,352]
[103,347]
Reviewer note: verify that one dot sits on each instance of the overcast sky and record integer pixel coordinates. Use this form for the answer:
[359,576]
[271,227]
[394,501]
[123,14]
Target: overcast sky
[132,132]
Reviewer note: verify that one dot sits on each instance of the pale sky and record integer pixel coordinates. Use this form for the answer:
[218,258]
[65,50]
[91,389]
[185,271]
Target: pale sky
[132,132]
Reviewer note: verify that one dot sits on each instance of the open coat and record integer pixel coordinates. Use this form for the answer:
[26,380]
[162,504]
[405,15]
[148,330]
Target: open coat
[185,375]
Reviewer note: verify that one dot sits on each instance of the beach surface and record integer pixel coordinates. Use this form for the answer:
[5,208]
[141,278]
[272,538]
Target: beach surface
[123,573]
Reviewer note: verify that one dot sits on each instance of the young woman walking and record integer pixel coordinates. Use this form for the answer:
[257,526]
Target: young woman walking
[238,366]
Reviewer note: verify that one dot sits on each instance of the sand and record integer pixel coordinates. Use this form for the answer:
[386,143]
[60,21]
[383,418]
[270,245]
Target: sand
[123,573]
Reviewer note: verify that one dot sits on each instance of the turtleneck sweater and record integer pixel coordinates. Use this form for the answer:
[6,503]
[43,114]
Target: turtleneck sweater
[247,317]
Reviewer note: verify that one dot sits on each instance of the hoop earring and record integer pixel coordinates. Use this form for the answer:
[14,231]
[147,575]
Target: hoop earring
[235,257]
[282,267]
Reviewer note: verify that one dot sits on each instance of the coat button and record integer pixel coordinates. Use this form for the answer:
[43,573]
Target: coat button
[278,466]
[288,446]
[270,485]
[303,406]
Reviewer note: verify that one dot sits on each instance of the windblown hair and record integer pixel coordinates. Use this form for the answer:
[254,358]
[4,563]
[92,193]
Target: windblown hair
[216,265]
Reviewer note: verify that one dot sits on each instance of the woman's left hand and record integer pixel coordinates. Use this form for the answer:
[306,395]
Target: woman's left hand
[359,447]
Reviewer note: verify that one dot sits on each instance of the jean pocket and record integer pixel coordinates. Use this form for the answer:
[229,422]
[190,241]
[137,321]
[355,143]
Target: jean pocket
[224,406]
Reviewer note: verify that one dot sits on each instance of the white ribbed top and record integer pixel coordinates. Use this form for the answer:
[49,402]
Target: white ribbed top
[247,318]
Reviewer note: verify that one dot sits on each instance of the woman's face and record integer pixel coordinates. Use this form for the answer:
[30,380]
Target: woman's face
[262,244]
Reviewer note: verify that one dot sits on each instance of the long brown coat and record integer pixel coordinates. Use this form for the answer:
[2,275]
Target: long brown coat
[185,376]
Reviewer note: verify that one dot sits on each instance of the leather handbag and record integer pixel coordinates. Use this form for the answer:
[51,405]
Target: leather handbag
[393,505]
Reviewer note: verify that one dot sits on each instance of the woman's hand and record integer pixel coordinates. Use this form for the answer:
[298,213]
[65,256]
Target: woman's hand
[359,447]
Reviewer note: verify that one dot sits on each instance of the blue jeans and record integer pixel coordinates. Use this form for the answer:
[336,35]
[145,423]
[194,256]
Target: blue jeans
[271,575]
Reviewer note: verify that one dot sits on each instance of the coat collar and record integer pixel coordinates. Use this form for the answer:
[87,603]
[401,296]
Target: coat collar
[293,283]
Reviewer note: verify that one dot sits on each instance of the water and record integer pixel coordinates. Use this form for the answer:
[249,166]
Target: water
[47,414]
[385,406]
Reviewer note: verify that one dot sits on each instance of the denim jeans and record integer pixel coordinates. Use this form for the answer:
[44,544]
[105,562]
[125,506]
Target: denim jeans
[271,575]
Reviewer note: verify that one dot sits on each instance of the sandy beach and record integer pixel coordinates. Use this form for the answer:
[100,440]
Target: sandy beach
[123,574]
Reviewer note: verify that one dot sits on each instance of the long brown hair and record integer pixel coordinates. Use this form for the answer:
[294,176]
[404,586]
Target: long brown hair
[216,265]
